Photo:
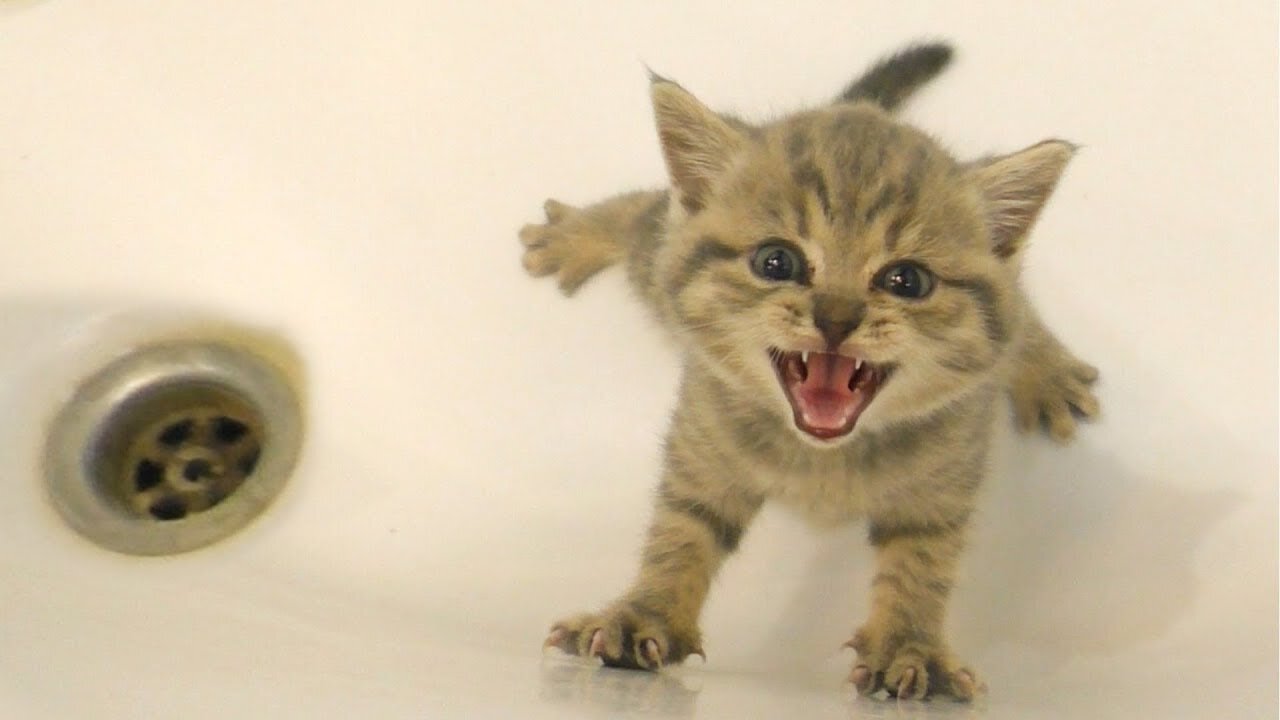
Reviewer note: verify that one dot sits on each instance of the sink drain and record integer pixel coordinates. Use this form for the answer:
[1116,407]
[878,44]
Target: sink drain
[191,459]
[173,447]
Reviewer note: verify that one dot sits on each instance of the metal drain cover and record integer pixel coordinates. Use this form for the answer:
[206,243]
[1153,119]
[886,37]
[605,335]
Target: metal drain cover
[173,446]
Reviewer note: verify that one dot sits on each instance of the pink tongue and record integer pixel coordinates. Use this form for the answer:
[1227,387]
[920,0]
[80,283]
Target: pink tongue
[823,397]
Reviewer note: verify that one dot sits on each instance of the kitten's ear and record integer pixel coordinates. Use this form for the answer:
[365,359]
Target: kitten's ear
[1014,190]
[696,143]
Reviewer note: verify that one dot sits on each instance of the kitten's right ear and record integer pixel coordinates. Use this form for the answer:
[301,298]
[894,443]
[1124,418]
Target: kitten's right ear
[696,143]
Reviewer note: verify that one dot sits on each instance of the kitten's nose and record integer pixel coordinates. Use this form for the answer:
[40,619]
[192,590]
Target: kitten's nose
[836,317]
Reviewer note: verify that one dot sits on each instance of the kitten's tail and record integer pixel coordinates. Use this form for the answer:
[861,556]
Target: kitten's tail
[893,79]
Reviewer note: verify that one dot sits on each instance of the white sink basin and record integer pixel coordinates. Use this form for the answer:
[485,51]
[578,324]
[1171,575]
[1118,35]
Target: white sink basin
[479,451]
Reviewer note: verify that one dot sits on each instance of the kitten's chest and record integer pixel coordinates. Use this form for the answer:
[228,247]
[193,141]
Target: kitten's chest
[823,499]
[831,488]
[828,488]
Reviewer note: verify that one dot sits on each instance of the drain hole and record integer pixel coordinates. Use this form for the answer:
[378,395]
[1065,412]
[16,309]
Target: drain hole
[147,475]
[168,508]
[197,470]
[248,463]
[177,433]
[228,431]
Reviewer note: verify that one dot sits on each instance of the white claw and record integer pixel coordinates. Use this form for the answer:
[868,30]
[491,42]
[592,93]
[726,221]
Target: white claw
[596,648]
[650,649]
[554,639]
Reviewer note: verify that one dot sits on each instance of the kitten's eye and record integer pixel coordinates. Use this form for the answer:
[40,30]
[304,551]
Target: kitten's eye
[907,280]
[778,261]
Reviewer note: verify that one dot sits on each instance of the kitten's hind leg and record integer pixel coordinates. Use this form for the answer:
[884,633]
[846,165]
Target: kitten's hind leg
[576,243]
[1050,387]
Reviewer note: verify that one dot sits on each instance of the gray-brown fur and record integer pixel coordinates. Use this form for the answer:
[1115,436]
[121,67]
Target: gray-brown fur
[892,80]
[851,192]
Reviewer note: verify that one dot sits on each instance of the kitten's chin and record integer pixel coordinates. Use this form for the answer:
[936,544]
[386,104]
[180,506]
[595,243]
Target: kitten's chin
[828,392]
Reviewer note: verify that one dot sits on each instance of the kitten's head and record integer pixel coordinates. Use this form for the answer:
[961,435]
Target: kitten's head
[841,265]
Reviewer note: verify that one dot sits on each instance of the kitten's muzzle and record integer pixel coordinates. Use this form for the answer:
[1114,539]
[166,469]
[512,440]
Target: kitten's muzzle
[837,317]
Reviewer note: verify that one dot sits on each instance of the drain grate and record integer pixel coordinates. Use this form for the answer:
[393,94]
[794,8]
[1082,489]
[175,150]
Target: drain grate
[173,447]
[191,460]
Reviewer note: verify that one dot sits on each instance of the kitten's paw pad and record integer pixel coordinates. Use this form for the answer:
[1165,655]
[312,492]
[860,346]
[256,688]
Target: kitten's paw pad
[569,245]
[624,638]
[1055,395]
[910,672]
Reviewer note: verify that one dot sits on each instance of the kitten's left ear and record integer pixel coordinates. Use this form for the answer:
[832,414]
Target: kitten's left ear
[1015,188]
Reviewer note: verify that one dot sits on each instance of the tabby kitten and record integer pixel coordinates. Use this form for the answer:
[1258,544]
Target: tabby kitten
[845,295]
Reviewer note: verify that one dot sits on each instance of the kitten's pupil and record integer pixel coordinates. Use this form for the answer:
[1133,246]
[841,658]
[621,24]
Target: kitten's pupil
[777,266]
[904,281]
[907,280]
[777,262]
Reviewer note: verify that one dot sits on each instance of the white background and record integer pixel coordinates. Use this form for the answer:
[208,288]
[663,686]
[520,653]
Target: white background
[481,451]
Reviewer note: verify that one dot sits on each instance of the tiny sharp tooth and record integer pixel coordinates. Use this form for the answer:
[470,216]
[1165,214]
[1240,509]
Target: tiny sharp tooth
[857,364]
[804,357]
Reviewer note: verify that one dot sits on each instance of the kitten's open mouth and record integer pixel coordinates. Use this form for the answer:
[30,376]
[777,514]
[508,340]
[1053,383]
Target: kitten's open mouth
[828,392]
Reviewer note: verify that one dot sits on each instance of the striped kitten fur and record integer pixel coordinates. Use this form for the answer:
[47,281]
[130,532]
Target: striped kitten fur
[846,298]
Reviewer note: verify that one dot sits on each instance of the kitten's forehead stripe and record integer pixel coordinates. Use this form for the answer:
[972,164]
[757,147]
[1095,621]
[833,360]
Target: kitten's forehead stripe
[798,145]
[894,231]
[888,191]
[917,168]
[855,165]
[773,207]
[801,205]
[808,176]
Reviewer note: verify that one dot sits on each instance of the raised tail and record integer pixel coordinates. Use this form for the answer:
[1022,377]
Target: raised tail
[893,79]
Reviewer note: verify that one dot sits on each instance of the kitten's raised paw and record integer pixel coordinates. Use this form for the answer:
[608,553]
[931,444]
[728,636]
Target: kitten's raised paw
[909,670]
[1052,389]
[1055,398]
[571,245]
[624,637]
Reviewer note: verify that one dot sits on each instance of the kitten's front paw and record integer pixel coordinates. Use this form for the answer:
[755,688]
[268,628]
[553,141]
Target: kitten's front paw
[1053,389]
[625,636]
[909,669]
[569,245]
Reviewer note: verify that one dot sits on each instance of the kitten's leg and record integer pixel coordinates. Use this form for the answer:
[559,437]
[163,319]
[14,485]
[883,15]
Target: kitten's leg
[699,517]
[576,243]
[901,647]
[1049,386]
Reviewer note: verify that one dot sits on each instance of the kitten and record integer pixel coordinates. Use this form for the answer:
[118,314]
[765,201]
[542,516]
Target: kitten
[845,295]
